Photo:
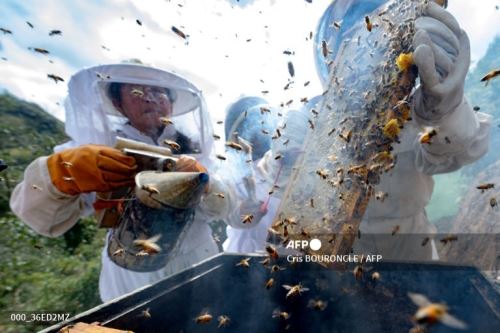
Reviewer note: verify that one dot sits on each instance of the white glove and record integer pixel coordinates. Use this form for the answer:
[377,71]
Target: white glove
[442,55]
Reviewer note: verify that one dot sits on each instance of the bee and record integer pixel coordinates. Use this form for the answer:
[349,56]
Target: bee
[150,189]
[234,145]
[272,252]
[404,61]
[425,241]
[56,78]
[295,290]
[304,100]
[216,137]
[493,202]
[102,76]
[358,272]
[324,49]
[346,136]
[68,179]
[149,245]
[427,136]
[265,92]
[246,218]
[276,268]
[36,187]
[278,132]
[223,321]
[29,24]
[431,313]
[138,22]
[391,129]
[166,121]
[281,314]
[221,157]
[490,75]
[179,32]
[203,318]
[369,24]
[172,144]
[66,164]
[381,196]
[244,262]
[55,33]
[118,252]
[323,173]
[484,187]
[317,304]
[448,239]
[6,31]
[311,202]
[306,83]
[291,70]
[337,24]
[314,112]
[289,102]
[395,230]
[311,124]
[375,276]
[331,131]
[286,142]
[265,262]
[447,140]
[264,131]
[220,195]
[278,156]
[269,283]
[146,314]
[220,122]
[40,50]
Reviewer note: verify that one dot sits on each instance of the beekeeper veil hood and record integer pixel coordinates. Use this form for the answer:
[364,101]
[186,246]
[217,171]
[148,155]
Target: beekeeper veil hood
[92,115]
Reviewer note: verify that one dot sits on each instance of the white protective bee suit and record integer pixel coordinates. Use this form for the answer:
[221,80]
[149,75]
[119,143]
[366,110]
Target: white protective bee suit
[442,54]
[92,118]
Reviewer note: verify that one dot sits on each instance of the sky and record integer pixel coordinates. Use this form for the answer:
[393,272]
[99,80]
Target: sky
[235,48]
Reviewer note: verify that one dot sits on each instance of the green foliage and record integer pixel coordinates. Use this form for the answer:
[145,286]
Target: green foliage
[40,273]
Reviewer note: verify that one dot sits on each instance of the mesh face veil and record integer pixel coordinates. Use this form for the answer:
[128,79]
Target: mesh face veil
[129,100]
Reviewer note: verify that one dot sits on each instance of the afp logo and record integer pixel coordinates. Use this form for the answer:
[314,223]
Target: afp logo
[314,244]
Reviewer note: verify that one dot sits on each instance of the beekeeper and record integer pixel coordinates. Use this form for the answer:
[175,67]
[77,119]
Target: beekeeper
[442,55]
[273,157]
[124,100]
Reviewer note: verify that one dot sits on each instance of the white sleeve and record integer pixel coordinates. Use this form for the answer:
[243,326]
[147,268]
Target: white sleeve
[463,137]
[42,206]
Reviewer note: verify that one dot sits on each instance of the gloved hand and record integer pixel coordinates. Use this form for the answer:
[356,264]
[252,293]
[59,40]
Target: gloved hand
[442,55]
[189,164]
[91,168]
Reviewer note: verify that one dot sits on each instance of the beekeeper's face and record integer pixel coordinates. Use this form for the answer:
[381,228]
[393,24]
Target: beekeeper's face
[144,105]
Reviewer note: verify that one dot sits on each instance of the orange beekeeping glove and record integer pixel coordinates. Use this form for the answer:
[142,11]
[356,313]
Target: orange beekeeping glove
[91,168]
[189,164]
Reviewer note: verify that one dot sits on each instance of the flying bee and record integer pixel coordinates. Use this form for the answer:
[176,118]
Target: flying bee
[118,252]
[246,218]
[493,202]
[220,122]
[295,290]
[306,83]
[149,245]
[431,313]
[265,262]
[40,50]
[264,110]
[179,32]
[346,136]
[369,24]
[281,314]
[490,75]
[223,321]
[166,121]
[311,124]
[286,142]
[331,131]
[304,100]
[322,173]
[6,31]
[269,283]
[395,230]
[146,314]
[324,49]
[276,268]
[55,33]
[484,187]
[221,157]
[216,137]
[448,239]
[425,241]
[311,202]
[317,304]
[102,76]
[56,78]
[314,112]
[244,262]
[172,144]
[427,136]
[264,131]
[358,272]
[337,24]
[203,318]
[380,195]
[278,156]
[234,145]
[375,276]
[272,252]
[150,189]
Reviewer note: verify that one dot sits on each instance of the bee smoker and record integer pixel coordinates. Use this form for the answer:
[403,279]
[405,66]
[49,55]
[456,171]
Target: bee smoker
[162,206]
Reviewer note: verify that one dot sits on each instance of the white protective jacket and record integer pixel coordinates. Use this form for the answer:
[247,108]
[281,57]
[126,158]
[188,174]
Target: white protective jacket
[91,118]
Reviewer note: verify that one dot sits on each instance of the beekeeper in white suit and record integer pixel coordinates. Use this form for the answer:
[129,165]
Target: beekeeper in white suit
[124,100]
[270,174]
